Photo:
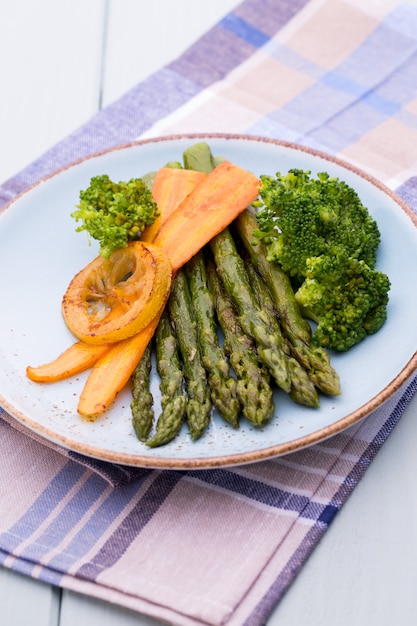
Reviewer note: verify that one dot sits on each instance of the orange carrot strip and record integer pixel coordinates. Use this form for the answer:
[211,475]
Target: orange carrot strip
[113,371]
[75,359]
[215,202]
[170,187]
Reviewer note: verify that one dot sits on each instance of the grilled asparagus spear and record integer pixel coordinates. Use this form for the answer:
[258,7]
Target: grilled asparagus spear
[253,379]
[199,157]
[222,385]
[199,403]
[142,400]
[173,400]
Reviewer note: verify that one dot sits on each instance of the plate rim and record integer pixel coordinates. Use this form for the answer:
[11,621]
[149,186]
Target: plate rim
[231,459]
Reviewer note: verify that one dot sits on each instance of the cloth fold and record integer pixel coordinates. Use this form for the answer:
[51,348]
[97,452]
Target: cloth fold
[221,546]
[114,473]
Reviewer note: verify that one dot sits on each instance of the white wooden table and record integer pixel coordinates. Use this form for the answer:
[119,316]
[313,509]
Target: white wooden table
[62,60]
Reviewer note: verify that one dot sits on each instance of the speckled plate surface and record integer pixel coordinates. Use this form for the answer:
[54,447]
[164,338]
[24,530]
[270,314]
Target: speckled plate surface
[40,252]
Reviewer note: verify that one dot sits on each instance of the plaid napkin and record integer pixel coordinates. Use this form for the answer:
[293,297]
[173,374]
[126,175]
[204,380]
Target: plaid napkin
[222,546]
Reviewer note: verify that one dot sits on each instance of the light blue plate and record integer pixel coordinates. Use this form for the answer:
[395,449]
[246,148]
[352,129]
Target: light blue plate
[40,252]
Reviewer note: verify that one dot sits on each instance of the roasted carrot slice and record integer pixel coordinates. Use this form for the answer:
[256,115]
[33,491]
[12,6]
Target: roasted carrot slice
[75,359]
[112,372]
[213,204]
[171,186]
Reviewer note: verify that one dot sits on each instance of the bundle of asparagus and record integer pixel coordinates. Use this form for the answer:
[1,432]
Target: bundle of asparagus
[229,287]
[253,386]
[295,327]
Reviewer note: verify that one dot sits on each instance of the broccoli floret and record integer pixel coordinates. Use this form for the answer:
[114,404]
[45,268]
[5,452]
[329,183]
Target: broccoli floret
[115,213]
[303,217]
[346,298]
[322,235]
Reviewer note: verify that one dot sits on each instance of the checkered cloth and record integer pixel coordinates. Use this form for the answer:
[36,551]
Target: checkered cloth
[221,546]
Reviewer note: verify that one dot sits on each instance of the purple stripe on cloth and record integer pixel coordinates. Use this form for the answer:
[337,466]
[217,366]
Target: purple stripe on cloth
[97,525]
[44,505]
[408,192]
[21,566]
[128,530]
[64,519]
[245,31]
[260,492]
[276,592]
[218,53]
[271,16]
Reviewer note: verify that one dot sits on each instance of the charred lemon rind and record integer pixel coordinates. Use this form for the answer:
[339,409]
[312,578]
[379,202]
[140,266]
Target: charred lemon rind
[113,299]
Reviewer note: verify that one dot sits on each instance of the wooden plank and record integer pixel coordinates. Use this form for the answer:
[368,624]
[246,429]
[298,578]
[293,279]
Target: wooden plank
[51,70]
[25,601]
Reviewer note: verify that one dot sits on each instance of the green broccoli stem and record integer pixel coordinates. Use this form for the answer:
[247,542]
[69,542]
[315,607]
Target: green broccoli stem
[142,400]
[295,327]
[222,385]
[173,400]
[181,314]
[253,380]
[254,321]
